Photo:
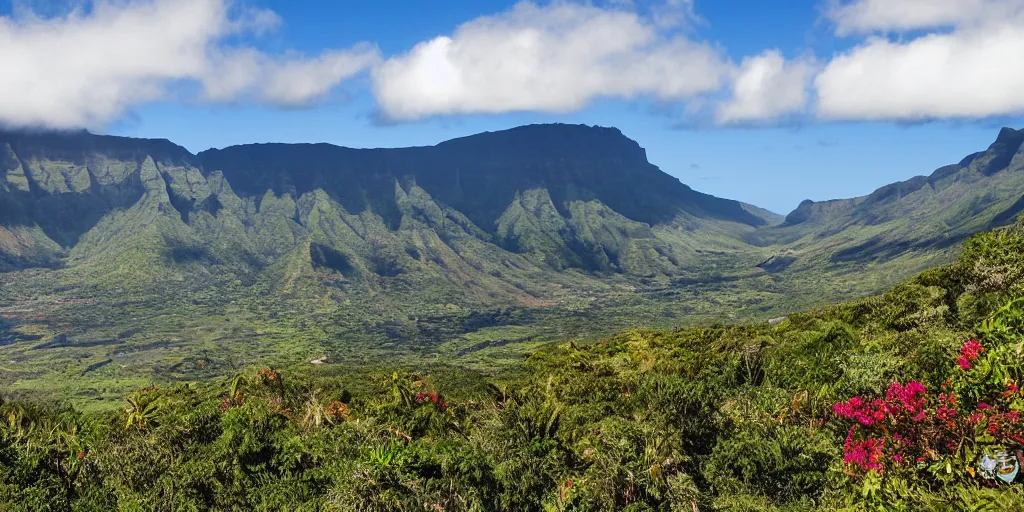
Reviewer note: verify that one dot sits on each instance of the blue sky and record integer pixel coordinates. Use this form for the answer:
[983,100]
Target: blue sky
[820,144]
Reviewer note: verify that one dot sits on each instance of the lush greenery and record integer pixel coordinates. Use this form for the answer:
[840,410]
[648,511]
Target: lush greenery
[879,404]
[125,261]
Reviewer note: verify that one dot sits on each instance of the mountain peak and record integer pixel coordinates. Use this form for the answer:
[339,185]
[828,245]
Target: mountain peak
[1000,154]
[1008,135]
[554,140]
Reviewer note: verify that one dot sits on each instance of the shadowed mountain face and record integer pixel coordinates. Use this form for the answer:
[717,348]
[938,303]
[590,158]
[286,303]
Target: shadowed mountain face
[480,175]
[587,193]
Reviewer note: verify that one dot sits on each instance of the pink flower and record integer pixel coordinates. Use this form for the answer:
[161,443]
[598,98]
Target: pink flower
[856,409]
[910,397]
[866,454]
[964,363]
[971,350]
[982,406]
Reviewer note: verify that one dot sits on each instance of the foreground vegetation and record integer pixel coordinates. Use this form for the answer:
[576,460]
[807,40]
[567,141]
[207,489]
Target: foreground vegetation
[881,404]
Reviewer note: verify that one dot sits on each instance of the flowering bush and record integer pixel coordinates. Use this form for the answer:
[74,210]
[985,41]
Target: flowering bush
[907,425]
[969,352]
[431,397]
[978,410]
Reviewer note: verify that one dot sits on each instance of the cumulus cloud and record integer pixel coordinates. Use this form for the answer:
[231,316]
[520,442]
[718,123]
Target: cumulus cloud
[88,67]
[767,87]
[865,16]
[912,60]
[966,71]
[554,58]
[284,81]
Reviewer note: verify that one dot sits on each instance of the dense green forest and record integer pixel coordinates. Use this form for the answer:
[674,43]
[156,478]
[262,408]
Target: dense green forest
[885,403]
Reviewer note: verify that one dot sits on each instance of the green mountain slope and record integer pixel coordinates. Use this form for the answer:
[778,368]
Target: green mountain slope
[138,252]
[181,266]
[925,213]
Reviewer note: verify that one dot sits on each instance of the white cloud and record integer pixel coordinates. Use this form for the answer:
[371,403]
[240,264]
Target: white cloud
[284,81]
[555,58]
[296,81]
[865,16]
[674,13]
[767,87]
[88,68]
[970,71]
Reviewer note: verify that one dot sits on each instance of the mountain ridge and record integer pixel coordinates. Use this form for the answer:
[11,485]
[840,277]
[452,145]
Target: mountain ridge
[72,181]
[58,185]
[508,152]
[1000,154]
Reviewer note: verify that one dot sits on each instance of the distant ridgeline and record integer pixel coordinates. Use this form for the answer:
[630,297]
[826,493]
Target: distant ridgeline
[140,251]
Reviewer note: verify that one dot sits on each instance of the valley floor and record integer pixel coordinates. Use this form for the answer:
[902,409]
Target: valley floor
[92,344]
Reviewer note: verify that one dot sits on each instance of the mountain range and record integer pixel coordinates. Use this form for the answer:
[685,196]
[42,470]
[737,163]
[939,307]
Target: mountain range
[124,259]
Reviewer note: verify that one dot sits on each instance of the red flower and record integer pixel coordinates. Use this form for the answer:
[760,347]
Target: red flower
[428,397]
[982,406]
